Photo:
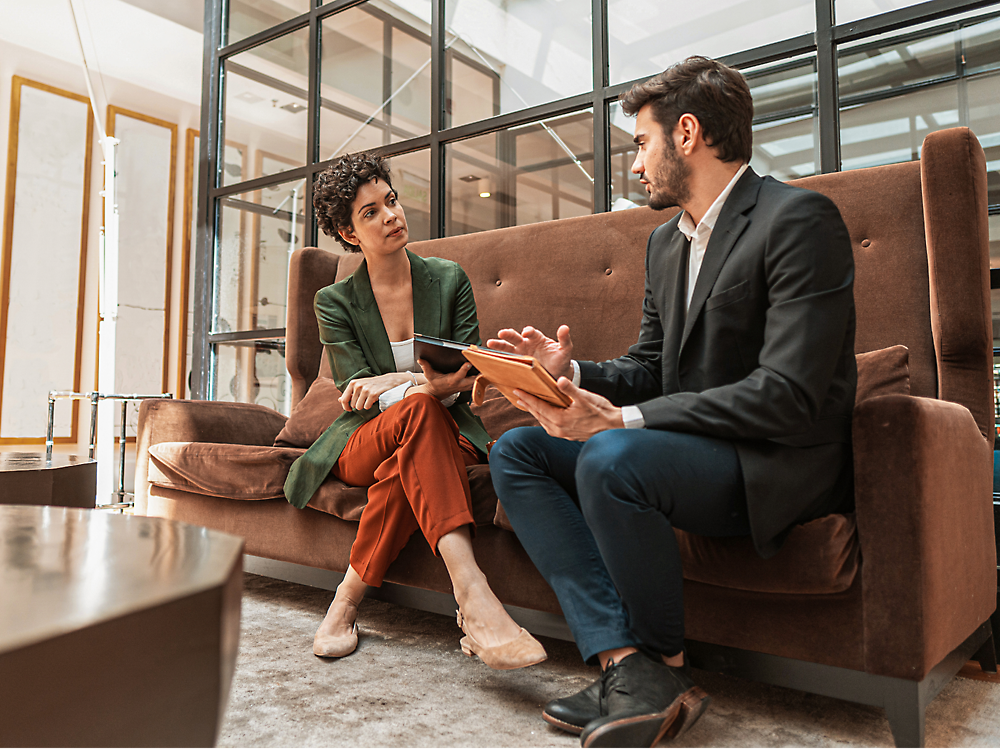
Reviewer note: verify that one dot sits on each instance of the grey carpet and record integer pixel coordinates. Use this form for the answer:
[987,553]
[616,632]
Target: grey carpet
[409,685]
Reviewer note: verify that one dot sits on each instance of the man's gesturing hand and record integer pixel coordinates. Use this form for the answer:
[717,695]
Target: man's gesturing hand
[581,420]
[554,356]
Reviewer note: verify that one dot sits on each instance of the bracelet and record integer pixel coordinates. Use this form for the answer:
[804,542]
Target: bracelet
[413,378]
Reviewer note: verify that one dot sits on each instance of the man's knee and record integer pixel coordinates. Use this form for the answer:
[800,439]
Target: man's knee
[606,468]
[516,445]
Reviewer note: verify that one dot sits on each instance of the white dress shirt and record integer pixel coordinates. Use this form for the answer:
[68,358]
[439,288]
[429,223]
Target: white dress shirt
[402,355]
[699,237]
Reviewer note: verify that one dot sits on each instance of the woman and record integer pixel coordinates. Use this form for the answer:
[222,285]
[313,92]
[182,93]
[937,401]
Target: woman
[404,433]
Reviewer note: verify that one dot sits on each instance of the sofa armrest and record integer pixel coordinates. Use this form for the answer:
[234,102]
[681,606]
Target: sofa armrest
[163,420]
[923,477]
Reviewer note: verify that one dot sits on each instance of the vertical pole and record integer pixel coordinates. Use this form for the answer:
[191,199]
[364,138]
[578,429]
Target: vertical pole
[93,423]
[120,494]
[108,294]
[602,150]
[437,219]
[50,428]
[827,89]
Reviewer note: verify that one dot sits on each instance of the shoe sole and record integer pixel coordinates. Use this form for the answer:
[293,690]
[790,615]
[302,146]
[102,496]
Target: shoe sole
[571,728]
[648,729]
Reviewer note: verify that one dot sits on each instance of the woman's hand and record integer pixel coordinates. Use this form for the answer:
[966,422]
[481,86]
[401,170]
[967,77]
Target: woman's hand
[554,356]
[363,393]
[442,385]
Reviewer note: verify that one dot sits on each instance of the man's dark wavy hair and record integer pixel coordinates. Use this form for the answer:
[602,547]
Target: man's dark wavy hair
[336,188]
[714,93]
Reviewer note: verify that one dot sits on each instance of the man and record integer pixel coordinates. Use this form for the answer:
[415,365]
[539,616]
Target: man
[730,416]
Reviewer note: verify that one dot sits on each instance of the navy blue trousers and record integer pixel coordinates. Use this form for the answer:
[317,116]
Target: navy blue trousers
[597,520]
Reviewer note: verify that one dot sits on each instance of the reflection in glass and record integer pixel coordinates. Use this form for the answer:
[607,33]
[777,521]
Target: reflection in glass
[892,130]
[647,36]
[375,78]
[891,65]
[253,372]
[984,120]
[248,17]
[257,233]
[981,46]
[626,190]
[522,175]
[411,179]
[537,52]
[265,103]
[846,11]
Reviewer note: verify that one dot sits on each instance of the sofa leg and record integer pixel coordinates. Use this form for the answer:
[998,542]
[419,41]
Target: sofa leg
[904,708]
[987,655]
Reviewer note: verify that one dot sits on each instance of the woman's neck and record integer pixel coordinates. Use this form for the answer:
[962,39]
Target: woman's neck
[389,270]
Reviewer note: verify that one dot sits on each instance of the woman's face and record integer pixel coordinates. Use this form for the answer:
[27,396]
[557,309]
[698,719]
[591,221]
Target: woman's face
[378,223]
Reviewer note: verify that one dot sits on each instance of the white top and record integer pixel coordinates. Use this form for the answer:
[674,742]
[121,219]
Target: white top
[402,356]
[699,237]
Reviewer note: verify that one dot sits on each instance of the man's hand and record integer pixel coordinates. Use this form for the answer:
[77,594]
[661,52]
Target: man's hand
[363,393]
[581,420]
[442,385]
[554,356]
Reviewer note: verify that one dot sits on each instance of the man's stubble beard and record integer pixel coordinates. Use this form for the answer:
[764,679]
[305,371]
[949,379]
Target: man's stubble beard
[675,180]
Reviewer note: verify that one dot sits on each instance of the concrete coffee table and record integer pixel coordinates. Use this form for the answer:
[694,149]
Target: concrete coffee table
[114,630]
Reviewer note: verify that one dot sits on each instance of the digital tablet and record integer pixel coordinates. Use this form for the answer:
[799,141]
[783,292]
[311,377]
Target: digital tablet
[443,355]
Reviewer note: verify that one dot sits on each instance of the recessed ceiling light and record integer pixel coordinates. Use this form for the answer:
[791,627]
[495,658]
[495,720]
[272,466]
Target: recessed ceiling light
[293,107]
[470,178]
[249,96]
[484,195]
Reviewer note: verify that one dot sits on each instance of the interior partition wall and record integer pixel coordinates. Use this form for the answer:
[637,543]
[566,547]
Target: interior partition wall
[504,112]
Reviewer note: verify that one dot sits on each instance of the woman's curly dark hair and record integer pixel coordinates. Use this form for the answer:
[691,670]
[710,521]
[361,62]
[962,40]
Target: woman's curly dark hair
[336,188]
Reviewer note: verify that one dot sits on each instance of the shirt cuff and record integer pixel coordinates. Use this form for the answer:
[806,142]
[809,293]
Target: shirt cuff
[393,396]
[632,418]
[576,372]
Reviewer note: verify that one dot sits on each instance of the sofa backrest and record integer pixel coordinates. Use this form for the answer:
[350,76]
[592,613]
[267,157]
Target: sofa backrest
[930,295]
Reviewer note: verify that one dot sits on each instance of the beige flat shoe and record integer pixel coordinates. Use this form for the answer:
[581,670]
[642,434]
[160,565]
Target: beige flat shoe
[334,646]
[523,651]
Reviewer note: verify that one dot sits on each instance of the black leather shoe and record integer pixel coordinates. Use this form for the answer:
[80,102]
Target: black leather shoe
[574,712]
[642,701]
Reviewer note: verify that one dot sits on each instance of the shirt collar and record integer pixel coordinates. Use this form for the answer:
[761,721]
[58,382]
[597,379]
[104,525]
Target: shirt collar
[686,225]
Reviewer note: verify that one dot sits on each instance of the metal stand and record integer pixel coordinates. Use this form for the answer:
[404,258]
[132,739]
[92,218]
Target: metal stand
[95,397]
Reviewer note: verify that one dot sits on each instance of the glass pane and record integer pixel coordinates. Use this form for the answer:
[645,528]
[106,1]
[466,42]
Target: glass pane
[375,78]
[257,233]
[888,66]
[853,10]
[647,36]
[265,105]
[981,46]
[626,190]
[892,130]
[411,178]
[984,120]
[248,17]
[526,53]
[531,173]
[253,372]
[785,140]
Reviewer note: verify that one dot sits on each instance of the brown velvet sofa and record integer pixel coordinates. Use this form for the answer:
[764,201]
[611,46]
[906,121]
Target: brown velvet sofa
[879,607]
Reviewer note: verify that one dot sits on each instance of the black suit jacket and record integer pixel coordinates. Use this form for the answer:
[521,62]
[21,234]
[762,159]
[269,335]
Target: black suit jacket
[765,355]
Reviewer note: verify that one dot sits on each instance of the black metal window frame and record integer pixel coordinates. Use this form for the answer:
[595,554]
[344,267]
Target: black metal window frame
[823,43]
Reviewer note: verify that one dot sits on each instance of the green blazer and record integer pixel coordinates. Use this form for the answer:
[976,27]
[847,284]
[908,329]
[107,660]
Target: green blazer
[352,332]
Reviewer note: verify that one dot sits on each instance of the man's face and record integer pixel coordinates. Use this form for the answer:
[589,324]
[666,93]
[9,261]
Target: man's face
[661,169]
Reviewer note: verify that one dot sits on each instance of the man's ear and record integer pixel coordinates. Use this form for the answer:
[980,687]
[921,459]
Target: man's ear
[689,132]
[348,234]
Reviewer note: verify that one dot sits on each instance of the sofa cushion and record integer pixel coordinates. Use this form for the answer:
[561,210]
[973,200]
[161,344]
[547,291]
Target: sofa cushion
[883,372]
[818,557]
[240,472]
[311,416]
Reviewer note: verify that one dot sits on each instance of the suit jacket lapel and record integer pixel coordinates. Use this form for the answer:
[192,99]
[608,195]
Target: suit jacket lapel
[730,225]
[371,329]
[672,312]
[426,298]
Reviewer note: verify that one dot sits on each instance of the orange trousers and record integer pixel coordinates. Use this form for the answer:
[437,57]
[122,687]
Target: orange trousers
[412,459]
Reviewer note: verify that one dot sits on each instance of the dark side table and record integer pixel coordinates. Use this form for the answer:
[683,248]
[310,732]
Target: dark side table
[33,479]
[115,631]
